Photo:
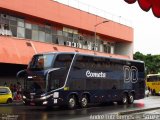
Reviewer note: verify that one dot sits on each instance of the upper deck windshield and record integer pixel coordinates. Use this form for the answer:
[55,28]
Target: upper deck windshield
[41,62]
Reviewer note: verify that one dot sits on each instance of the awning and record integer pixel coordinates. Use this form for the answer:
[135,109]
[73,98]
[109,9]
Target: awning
[146,5]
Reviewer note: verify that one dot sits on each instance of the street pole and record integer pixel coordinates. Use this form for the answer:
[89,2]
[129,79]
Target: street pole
[95,32]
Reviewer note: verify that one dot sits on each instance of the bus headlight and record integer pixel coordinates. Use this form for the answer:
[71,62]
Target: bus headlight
[45,102]
[24,97]
[43,98]
[56,94]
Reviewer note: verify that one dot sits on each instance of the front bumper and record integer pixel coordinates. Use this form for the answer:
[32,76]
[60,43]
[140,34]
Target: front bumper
[45,102]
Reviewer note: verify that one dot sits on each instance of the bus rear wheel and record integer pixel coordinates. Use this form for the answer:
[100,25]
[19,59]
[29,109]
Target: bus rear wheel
[72,102]
[131,98]
[84,101]
[124,100]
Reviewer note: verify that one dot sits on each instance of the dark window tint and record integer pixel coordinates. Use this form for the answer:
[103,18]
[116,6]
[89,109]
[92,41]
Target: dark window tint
[70,35]
[14,30]
[57,78]
[55,39]
[28,33]
[13,22]
[48,38]
[35,27]
[89,62]
[112,68]
[63,60]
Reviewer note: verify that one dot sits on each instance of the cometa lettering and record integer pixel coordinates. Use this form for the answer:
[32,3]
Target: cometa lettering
[94,74]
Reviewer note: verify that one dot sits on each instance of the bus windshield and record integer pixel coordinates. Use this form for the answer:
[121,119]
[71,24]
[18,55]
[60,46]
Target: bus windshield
[153,78]
[36,84]
[41,62]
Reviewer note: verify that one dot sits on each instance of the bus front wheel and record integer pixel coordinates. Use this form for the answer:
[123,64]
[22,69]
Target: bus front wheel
[72,102]
[84,101]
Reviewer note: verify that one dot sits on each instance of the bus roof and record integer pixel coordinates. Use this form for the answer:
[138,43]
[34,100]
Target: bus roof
[90,55]
[158,74]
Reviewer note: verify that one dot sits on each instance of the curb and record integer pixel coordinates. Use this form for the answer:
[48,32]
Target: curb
[138,110]
[18,102]
[14,103]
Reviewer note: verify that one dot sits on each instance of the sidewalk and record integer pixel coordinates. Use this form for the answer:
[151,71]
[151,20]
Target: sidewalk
[14,103]
[152,113]
[138,110]
[146,104]
[17,102]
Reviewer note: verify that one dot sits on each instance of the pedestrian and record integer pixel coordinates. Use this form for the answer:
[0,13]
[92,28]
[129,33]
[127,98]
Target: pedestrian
[11,87]
[19,87]
[5,84]
[18,96]
[14,91]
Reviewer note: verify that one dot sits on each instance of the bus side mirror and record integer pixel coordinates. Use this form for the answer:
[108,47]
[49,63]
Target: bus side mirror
[21,73]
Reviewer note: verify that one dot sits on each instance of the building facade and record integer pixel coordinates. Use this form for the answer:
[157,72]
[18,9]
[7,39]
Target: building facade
[30,27]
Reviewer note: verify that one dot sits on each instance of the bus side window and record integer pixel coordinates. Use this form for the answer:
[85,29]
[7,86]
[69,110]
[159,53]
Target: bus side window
[63,61]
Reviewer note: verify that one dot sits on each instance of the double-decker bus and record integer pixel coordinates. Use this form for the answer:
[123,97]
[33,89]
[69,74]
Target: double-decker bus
[153,83]
[68,78]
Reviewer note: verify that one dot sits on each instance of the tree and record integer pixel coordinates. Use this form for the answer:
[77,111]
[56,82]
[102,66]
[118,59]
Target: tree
[139,56]
[152,62]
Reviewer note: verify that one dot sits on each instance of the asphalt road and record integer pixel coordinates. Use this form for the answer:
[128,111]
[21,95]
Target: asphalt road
[102,112]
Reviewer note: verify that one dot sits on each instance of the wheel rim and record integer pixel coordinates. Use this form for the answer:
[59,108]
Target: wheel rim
[131,99]
[124,99]
[84,102]
[72,103]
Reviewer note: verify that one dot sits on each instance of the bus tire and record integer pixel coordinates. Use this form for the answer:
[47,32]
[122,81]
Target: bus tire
[84,101]
[71,102]
[131,98]
[124,100]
